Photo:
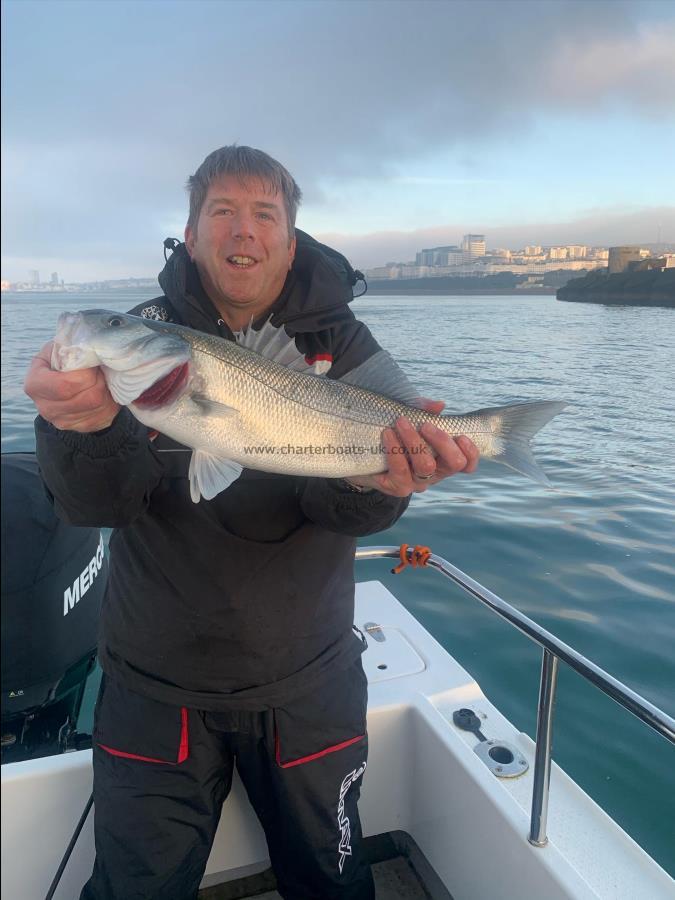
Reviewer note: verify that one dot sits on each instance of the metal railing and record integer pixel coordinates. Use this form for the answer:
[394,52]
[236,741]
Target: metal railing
[553,650]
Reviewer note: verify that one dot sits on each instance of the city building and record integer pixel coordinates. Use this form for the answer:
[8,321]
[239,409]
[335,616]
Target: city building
[34,276]
[620,257]
[439,256]
[472,259]
[473,246]
[557,252]
[662,261]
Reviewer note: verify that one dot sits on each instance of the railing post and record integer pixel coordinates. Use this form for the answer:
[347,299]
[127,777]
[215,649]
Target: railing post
[542,753]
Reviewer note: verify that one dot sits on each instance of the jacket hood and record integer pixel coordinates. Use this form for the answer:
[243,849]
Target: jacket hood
[315,296]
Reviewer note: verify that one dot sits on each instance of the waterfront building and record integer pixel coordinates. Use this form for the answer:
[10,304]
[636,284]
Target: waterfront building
[488,265]
[620,257]
[534,259]
[55,278]
[533,266]
[647,263]
[34,276]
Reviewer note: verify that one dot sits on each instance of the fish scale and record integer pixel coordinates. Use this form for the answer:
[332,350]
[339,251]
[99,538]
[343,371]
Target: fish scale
[279,407]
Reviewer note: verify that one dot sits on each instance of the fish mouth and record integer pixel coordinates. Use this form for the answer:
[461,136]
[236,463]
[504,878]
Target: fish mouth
[70,347]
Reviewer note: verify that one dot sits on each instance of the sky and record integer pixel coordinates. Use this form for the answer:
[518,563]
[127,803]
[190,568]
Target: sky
[406,124]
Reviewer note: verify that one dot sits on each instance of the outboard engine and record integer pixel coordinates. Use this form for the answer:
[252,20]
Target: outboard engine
[53,579]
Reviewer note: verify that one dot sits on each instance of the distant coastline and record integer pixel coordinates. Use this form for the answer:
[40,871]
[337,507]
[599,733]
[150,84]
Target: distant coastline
[503,284]
[650,287]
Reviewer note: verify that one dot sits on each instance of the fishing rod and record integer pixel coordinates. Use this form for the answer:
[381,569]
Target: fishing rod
[70,848]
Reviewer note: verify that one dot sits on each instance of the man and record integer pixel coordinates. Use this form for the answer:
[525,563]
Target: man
[226,632]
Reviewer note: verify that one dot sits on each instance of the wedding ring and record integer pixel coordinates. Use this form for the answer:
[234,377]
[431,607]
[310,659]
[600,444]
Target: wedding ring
[423,477]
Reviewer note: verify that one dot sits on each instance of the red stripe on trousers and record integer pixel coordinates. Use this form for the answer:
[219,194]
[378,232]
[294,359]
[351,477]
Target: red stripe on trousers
[183,747]
[312,756]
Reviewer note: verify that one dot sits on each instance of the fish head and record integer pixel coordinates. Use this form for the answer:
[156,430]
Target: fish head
[132,355]
[99,337]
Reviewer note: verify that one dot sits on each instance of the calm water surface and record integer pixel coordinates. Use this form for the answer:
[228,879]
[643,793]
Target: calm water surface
[592,559]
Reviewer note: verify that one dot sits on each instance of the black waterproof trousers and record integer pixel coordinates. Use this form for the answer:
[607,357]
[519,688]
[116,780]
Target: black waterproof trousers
[161,775]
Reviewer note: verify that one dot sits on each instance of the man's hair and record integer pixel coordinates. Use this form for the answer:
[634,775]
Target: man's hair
[243,163]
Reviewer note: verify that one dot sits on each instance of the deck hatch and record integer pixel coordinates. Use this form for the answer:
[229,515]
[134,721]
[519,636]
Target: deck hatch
[389,654]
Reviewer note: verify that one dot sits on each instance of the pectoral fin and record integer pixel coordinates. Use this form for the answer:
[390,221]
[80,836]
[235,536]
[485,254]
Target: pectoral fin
[214,407]
[210,475]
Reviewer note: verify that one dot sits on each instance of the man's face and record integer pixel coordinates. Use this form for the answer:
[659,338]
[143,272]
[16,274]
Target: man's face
[241,247]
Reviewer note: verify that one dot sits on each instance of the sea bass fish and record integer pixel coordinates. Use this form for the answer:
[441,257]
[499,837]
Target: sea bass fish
[235,407]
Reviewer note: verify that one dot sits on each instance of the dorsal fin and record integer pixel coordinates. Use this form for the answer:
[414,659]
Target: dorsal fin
[381,374]
[272,343]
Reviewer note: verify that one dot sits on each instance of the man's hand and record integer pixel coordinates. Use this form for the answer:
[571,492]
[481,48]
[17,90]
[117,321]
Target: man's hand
[418,459]
[71,401]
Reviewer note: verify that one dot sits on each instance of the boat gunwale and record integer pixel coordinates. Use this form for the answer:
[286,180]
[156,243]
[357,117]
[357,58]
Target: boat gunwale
[553,650]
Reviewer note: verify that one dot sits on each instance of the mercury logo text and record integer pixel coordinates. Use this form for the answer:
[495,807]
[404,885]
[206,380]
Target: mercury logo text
[81,585]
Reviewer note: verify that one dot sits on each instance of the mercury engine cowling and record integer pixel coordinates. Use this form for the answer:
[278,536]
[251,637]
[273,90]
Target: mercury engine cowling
[53,580]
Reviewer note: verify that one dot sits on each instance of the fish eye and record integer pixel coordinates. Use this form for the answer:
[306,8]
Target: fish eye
[114,322]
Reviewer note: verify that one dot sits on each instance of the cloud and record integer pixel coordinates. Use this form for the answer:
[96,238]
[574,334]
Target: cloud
[598,228]
[109,106]
[638,67]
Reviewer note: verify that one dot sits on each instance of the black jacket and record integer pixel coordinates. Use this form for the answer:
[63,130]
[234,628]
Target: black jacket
[246,600]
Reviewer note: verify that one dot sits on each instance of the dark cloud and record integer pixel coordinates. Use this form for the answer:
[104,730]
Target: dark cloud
[109,106]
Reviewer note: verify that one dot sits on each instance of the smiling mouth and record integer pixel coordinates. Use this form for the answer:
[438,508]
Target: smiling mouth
[242,262]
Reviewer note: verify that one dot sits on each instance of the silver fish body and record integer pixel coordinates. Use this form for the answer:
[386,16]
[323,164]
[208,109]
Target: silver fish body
[231,404]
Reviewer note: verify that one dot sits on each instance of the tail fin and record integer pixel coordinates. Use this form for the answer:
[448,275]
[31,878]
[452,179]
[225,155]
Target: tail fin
[515,426]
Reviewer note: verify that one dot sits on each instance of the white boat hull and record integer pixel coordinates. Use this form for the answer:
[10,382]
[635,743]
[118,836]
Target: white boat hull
[423,778]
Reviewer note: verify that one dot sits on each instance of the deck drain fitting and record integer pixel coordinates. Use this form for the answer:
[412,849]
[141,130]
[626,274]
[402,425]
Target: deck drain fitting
[502,759]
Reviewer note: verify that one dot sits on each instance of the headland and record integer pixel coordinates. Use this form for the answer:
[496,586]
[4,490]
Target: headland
[648,287]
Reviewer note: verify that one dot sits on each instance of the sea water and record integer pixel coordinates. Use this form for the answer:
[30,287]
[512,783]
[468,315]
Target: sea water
[591,559]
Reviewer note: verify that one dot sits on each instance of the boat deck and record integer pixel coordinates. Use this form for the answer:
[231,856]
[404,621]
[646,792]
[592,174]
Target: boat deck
[395,879]
[400,872]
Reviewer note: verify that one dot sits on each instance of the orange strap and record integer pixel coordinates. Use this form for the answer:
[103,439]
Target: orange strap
[419,556]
